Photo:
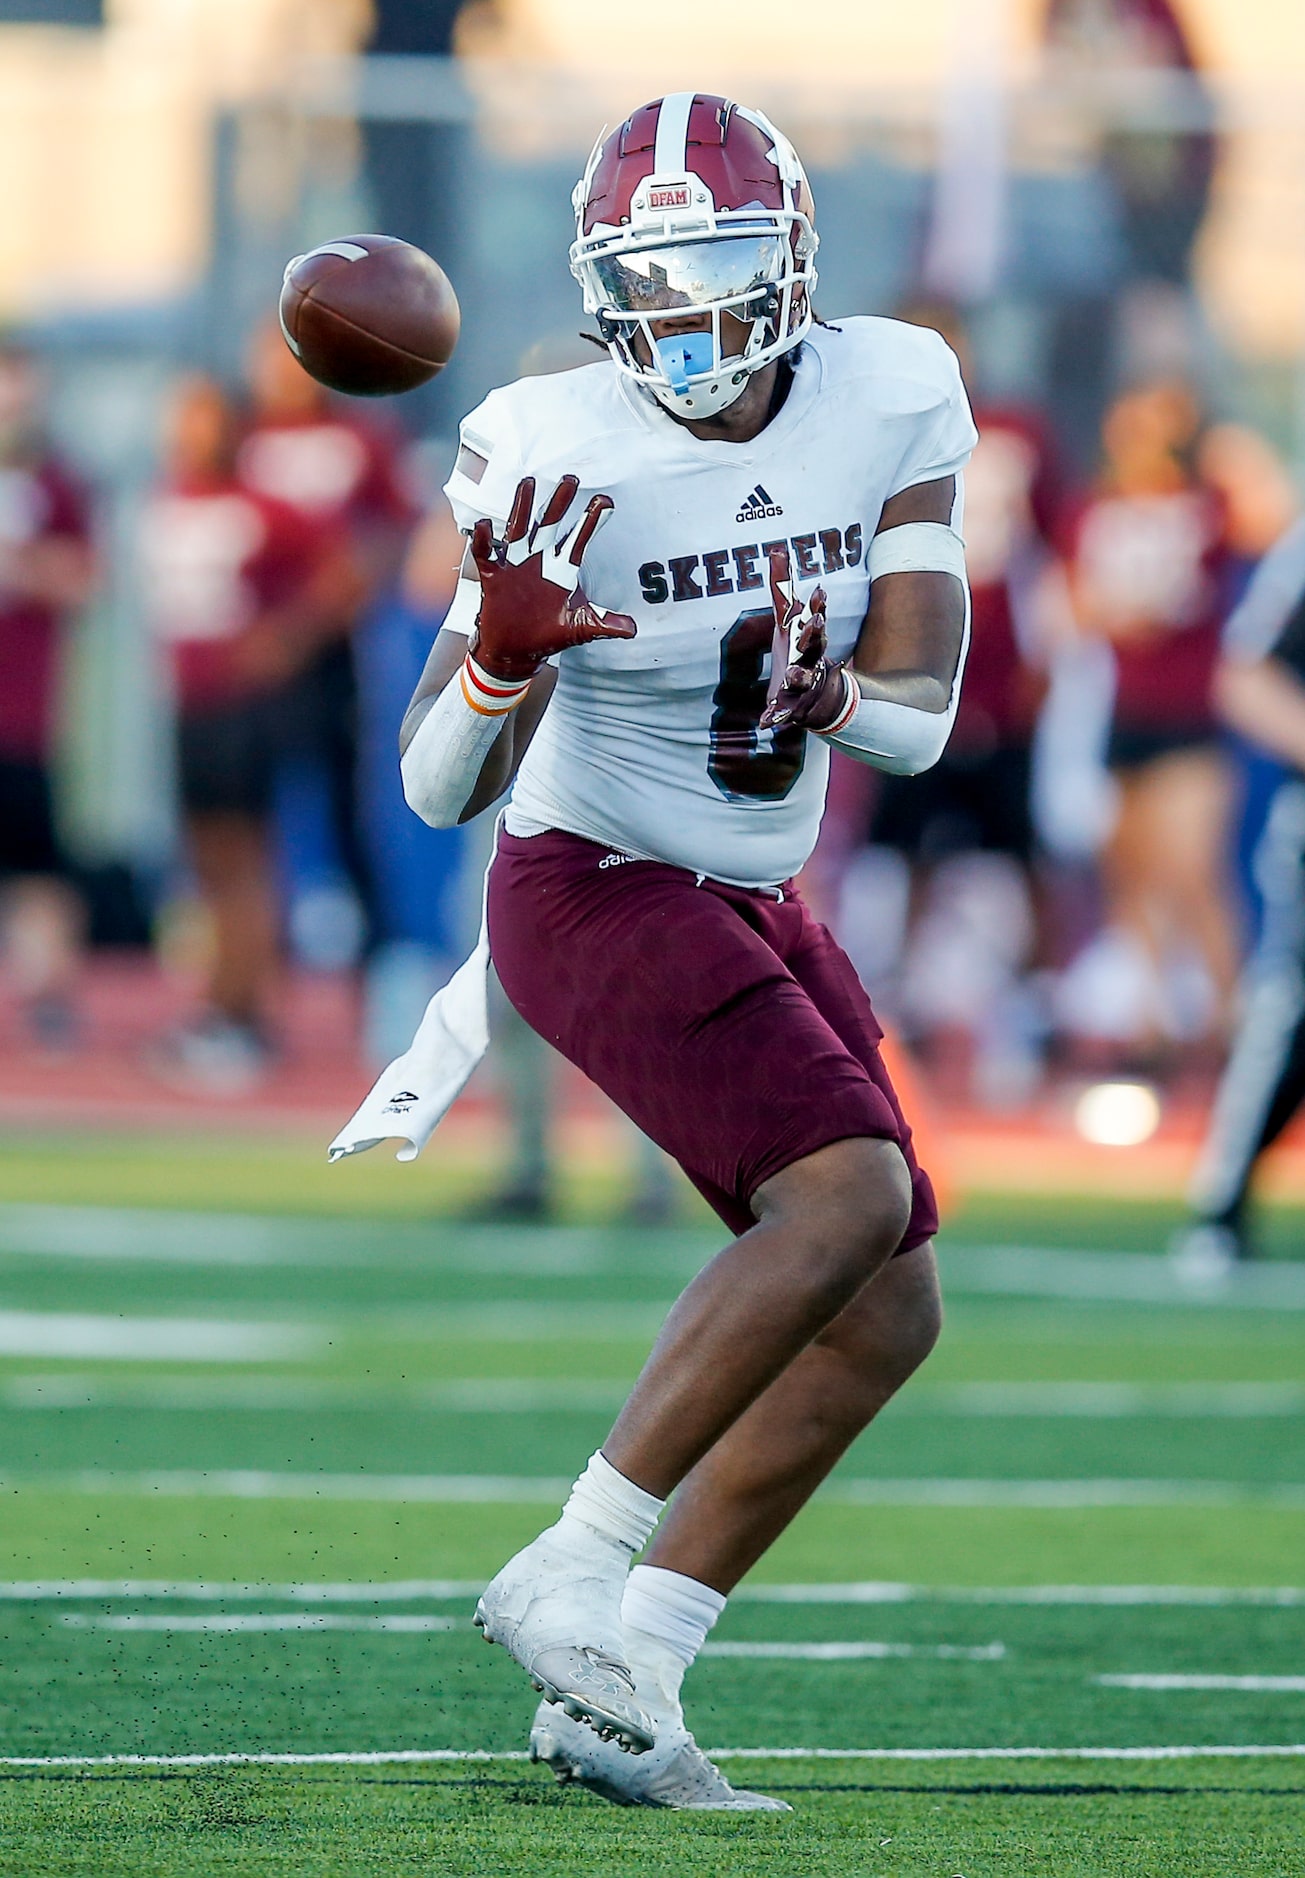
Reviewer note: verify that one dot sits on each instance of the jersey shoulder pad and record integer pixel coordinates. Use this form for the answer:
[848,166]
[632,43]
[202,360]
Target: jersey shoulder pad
[525,429]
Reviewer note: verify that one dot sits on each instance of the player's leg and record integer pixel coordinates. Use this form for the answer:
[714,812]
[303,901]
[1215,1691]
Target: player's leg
[827,1223]
[674,996]
[727,1512]
[826,1226]
[762,1472]
[758,1476]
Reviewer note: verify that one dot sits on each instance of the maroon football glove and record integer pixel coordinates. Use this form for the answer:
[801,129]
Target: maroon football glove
[812,694]
[531,601]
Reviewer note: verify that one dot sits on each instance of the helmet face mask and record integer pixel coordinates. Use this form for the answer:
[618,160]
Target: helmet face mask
[727,231]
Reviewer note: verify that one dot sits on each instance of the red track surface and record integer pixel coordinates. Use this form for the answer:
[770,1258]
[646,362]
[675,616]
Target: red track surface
[128,1002]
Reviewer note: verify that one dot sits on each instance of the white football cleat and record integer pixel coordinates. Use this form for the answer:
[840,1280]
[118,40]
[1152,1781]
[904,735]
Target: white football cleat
[560,1618]
[675,1773]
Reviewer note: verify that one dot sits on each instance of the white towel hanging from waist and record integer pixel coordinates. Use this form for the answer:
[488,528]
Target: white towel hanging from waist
[410,1099]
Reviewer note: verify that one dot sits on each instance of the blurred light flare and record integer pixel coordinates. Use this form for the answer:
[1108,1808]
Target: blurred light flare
[1117,1114]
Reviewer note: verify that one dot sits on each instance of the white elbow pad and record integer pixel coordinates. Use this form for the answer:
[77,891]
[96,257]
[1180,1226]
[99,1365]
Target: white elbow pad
[899,738]
[442,763]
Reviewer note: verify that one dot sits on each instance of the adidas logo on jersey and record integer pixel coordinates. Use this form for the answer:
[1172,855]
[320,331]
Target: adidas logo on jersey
[758,506]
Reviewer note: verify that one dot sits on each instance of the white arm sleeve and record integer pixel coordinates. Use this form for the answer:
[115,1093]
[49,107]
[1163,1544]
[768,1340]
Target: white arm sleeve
[900,738]
[441,765]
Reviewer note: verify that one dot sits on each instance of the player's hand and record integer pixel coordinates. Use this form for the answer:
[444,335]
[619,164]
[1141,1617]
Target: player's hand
[812,694]
[531,601]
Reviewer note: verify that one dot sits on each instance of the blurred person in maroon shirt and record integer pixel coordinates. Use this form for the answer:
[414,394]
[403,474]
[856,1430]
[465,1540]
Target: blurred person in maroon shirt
[1151,567]
[245,592]
[337,467]
[974,922]
[46,573]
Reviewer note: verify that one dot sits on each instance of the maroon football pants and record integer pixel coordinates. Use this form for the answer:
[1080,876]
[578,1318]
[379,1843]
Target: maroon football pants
[725,1021]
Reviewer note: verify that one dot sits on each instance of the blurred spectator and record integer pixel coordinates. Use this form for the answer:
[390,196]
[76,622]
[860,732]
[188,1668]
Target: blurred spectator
[46,573]
[337,467]
[1150,572]
[1157,182]
[964,828]
[245,592]
[1260,688]
[426,905]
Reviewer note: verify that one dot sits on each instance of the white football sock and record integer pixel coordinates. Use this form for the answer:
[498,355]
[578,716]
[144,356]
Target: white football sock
[666,1617]
[603,1501]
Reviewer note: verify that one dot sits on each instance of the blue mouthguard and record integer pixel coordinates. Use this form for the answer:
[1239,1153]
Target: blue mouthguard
[688,355]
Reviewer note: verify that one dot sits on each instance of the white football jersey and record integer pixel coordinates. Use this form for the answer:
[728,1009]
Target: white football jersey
[650,746]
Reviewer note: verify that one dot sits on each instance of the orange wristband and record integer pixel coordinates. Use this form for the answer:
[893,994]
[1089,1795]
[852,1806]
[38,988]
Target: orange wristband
[489,696]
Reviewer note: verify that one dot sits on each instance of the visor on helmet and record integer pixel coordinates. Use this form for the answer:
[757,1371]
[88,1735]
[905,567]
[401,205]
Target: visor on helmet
[692,276]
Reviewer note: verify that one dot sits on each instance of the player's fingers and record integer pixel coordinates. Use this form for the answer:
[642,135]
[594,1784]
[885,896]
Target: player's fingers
[518,526]
[614,626]
[781,581]
[816,604]
[544,531]
[812,640]
[600,507]
[559,502]
[482,543]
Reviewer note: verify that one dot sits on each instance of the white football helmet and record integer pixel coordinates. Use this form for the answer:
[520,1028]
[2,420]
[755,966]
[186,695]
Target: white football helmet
[695,207]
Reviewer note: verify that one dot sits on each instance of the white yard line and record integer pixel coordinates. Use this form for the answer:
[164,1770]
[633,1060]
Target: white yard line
[1266,1685]
[857,1652]
[197,1591]
[1063,1493]
[1092,1401]
[254,1484]
[135,1235]
[516,1395]
[437,1590]
[244,1621]
[1116,1278]
[509,1489]
[874,1592]
[292,1394]
[152,1339]
[417,1756]
[132,1235]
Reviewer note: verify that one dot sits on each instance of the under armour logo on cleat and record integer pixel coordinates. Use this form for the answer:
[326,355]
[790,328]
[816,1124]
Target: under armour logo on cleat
[758,506]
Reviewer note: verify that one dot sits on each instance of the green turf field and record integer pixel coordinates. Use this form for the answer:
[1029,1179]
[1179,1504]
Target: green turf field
[255,1456]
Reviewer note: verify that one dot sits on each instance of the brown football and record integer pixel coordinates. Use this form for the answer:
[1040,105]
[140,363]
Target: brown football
[369,315]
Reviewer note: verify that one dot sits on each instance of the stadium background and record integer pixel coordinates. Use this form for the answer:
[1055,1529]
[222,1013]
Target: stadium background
[265,1422]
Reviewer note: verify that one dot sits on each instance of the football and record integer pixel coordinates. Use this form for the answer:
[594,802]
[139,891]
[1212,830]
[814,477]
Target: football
[369,315]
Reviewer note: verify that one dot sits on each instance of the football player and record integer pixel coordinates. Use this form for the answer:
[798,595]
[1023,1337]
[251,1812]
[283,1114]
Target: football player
[754,470]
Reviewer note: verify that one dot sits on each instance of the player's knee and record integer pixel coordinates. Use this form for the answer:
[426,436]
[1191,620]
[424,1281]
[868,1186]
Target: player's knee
[887,1332]
[849,1205]
[909,1332]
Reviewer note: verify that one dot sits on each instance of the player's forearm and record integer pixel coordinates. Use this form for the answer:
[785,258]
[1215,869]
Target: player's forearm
[898,716]
[899,722]
[460,756]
